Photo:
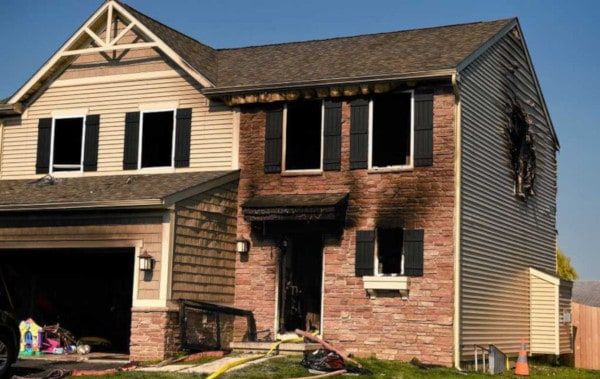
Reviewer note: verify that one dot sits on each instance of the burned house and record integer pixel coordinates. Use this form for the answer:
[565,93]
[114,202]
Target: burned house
[394,191]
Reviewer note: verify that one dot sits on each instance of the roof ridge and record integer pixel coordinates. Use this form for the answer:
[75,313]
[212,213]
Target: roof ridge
[134,10]
[506,20]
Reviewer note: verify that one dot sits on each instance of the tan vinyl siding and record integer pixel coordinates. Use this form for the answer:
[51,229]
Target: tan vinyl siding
[110,84]
[566,317]
[204,256]
[111,98]
[544,338]
[501,237]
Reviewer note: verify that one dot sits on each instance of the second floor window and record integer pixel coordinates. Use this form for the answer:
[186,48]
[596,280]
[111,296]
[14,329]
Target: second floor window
[391,131]
[67,144]
[156,136]
[68,135]
[303,135]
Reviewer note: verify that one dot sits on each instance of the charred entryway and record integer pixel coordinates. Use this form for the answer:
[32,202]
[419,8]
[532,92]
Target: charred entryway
[298,224]
[86,291]
[300,281]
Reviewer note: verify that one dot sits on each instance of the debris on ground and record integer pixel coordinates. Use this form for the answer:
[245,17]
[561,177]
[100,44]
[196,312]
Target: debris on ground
[330,359]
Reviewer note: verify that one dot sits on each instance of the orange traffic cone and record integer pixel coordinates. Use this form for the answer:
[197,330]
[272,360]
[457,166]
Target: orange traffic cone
[522,367]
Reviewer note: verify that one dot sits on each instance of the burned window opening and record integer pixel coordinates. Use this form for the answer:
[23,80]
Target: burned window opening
[521,150]
[391,130]
[157,139]
[303,138]
[389,251]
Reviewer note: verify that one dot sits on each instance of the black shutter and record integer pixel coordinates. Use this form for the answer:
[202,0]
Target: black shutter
[365,253]
[90,151]
[423,129]
[273,140]
[359,134]
[183,133]
[42,164]
[413,252]
[131,144]
[333,135]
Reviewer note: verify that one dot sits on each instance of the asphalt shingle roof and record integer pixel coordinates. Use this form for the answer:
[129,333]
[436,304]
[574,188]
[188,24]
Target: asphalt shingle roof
[587,292]
[52,191]
[355,57]
[362,56]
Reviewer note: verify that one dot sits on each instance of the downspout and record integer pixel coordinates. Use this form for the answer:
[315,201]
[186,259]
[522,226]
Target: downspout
[457,220]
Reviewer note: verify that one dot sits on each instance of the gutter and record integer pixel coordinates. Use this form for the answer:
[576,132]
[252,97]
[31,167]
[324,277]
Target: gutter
[149,203]
[457,219]
[232,90]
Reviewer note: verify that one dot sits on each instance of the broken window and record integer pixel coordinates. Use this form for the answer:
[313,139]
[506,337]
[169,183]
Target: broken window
[303,135]
[391,130]
[389,251]
[67,144]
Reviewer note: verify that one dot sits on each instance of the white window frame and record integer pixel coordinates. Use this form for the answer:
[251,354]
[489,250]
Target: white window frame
[141,139]
[284,143]
[77,168]
[411,160]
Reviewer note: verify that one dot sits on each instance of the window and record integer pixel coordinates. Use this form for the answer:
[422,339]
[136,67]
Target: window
[303,135]
[389,256]
[392,130]
[156,134]
[67,144]
[389,251]
[157,139]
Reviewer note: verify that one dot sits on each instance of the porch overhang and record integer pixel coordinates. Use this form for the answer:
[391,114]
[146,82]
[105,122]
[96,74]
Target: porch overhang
[296,207]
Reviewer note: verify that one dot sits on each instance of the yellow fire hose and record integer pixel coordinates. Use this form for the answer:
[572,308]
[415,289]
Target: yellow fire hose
[226,367]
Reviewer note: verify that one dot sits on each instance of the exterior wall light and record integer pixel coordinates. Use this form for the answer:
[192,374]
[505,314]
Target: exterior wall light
[242,246]
[146,261]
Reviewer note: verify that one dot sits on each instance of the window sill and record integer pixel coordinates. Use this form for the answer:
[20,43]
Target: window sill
[379,170]
[396,283]
[302,173]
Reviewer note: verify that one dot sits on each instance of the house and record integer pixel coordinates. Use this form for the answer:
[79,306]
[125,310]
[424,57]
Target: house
[394,191]
[111,152]
[586,324]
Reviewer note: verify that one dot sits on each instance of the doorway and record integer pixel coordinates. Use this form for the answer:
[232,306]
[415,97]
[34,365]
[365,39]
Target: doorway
[300,282]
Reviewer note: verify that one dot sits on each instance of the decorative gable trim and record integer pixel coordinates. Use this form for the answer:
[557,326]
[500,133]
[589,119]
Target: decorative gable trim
[87,40]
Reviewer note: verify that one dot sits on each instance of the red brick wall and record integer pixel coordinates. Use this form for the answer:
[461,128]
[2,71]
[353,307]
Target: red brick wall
[385,327]
[154,334]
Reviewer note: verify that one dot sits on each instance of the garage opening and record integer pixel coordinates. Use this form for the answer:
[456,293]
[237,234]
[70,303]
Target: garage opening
[87,291]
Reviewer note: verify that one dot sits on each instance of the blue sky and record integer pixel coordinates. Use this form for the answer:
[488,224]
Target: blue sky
[562,37]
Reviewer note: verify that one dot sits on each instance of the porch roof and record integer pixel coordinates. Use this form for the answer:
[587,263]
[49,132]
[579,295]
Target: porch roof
[116,191]
[308,207]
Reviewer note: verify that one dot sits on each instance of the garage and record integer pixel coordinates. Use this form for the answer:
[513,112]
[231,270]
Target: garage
[87,291]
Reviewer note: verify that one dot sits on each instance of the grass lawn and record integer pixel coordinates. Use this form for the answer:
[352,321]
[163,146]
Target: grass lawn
[289,367]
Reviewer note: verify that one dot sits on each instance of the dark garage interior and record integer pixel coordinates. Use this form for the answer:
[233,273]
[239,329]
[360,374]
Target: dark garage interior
[86,291]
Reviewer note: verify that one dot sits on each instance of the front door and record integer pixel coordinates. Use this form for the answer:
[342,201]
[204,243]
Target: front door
[300,282]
